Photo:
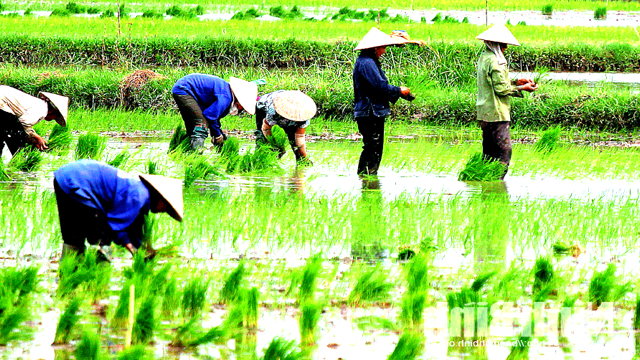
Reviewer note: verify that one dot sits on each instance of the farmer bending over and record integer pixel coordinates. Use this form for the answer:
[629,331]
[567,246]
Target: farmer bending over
[203,99]
[494,90]
[291,110]
[19,112]
[103,204]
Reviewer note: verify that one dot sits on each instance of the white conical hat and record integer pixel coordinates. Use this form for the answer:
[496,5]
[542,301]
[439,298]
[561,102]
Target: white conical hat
[171,191]
[376,38]
[60,103]
[295,105]
[499,34]
[246,93]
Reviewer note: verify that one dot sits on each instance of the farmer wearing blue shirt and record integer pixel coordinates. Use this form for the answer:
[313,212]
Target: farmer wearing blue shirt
[103,204]
[372,94]
[205,99]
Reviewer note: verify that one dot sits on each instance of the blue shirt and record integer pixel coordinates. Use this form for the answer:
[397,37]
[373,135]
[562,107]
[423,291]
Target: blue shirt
[372,91]
[120,196]
[212,94]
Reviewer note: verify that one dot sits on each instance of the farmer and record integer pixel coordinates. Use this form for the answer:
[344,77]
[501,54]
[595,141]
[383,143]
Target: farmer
[291,110]
[19,112]
[373,93]
[205,99]
[494,90]
[103,204]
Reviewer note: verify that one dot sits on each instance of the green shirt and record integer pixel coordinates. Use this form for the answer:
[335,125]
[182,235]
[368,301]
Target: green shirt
[494,89]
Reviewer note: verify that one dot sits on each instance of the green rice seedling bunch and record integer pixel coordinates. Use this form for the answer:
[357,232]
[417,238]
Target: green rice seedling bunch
[365,323]
[137,352]
[549,141]
[409,347]
[84,271]
[194,297]
[309,316]
[11,318]
[90,146]
[18,282]
[281,349]
[604,287]
[308,279]
[600,13]
[547,10]
[68,321]
[543,274]
[416,273]
[180,141]
[260,160]
[185,333]
[121,159]
[278,140]
[251,301]
[567,304]
[60,138]
[372,285]
[230,327]
[412,313]
[145,322]
[89,347]
[197,167]
[4,176]
[26,159]
[170,299]
[148,232]
[230,148]
[480,169]
[468,296]
[152,167]
[233,284]
[520,348]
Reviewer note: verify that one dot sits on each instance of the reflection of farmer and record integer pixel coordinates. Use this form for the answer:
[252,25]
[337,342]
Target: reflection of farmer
[291,110]
[101,204]
[203,99]
[494,90]
[373,93]
[19,112]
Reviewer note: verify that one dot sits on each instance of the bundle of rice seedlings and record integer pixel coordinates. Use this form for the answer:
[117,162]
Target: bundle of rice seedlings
[480,169]
[90,146]
[230,148]
[20,282]
[260,160]
[26,159]
[137,352]
[121,313]
[194,297]
[11,318]
[68,321]
[4,176]
[148,232]
[413,305]
[520,348]
[89,347]
[281,349]
[309,278]
[604,287]
[180,141]
[278,140]
[416,273]
[233,284]
[409,347]
[308,321]
[365,323]
[543,274]
[83,271]
[548,142]
[197,167]
[251,300]
[60,138]
[372,285]
[145,322]
[152,167]
[120,159]
[170,299]
[468,296]
[566,310]
[562,249]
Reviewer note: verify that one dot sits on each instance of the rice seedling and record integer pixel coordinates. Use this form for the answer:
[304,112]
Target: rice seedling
[409,347]
[90,146]
[20,282]
[413,305]
[548,142]
[4,176]
[636,325]
[372,285]
[365,323]
[11,318]
[251,299]
[233,284]
[230,148]
[89,347]
[148,232]
[308,321]
[543,274]
[197,167]
[600,13]
[68,321]
[194,297]
[465,298]
[480,169]
[260,160]
[180,141]
[170,299]
[152,167]
[547,10]
[60,138]
[566,310]
[145,322]
[137,352]
[604,287]
[84,271]
[281,349]
[121,313]
[121,159]
[306,279]
[26,159]
[416,273]
[278,140]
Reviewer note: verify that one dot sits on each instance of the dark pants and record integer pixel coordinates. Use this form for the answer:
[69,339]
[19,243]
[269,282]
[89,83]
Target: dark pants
[79,222]
[496,142]
[11,132]
[190,112]
[289,130]
[372,130]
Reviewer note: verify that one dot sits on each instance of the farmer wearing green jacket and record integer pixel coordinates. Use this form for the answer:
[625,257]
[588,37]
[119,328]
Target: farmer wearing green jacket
[494,92]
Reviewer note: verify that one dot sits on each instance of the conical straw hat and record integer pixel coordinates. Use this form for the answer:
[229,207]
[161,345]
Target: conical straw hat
[295,106]
[376,38]
[246,93]
[499,34]
[60,103]
[171,191]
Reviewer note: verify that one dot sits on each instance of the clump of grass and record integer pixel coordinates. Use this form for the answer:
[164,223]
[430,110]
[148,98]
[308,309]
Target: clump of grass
[230,148]
[26,159]
[413,305]
[281,349]
[480,169]
[251,301]
[137,352]
[194,297]
[416,273]
[89,347]
[68,321]
[308,321]
[83,271]
[278,140]
[261,159]
[90,146]
[11,317]
[180,141]
[152,167]
[547,10]
[604,287]
[145,322]
[600,13]
[233,284]
[549,140]
[372,285]
[543,274]
[409,347]
[170,299]
[120,159]
[197,167]
[468,296]
[60,138]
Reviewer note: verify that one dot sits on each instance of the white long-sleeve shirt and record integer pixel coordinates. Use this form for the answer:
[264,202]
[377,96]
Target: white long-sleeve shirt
[29,109]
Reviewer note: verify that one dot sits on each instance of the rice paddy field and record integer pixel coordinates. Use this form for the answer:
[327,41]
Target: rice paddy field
[278,260]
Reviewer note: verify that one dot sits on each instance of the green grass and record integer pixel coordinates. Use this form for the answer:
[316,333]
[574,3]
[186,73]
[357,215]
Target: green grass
[409,347]
[90,146]
[194,297]
[68,321]
[549,140]
[89,347]
[281,349]
[480,169]
[371,285]
[60,138]
[233,284]
[26,159]
[308,321]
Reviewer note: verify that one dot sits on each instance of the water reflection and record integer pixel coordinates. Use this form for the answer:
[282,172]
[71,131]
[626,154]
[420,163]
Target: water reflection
[369,222]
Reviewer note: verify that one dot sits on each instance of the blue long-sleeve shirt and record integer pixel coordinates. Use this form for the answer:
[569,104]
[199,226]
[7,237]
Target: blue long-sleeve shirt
[372,91]
[123,198]
[213,95]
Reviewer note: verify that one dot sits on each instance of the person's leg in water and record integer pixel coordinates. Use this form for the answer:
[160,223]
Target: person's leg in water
[496,142]
[372,130]
[194,122]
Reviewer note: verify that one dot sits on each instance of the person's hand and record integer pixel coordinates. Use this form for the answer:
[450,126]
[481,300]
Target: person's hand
[530,87]
[521,82]
[39,142]
[405,91]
